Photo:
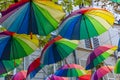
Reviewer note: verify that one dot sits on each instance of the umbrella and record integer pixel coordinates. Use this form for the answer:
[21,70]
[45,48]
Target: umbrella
[20,75]
[86,23]
[117,67]
[54,77]
[101,72]
[70,70]
[116,1]
[32,16]
[57,49]
[8,65]
[14,46]
[99,55]
[34,67]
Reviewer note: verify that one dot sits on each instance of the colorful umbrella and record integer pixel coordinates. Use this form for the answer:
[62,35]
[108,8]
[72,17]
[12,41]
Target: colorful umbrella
[70,70]
[117,67]
[99,55]
[34,67]
[86,23]
[8,65]
[32,16]
[116,1]
[101,72]
[14,46]
[57,49]
[20,75]
[54,77]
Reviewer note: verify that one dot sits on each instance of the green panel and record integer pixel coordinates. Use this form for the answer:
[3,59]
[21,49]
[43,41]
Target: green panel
[101,58]
[87,29]
[97,25]
[46,23]
[117,67]
[19,49]
[11,64]
[67,43]
[64,50]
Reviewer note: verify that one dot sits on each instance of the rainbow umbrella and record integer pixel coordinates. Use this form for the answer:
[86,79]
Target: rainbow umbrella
[14,46]
[99,73]
[86,23]
[116,1]
[54,77]
[70,70]
[34,67]
[32,17]
[99,55]
[20,75]
[8,65]
[57,49]
[117,67]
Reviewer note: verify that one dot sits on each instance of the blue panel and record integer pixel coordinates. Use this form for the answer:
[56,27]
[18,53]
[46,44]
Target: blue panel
[3,44]
[68,27]
[5,54]
[76,31]
[25,23]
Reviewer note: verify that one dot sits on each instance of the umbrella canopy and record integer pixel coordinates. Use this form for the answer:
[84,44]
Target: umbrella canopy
[8,65]
[86,23]
[57,49]
[117,67]
[54,77]
[99,55]
[70,70]
[101,72]
[34,67]
[32,16]
[116,1]
[20,75]
[14,46]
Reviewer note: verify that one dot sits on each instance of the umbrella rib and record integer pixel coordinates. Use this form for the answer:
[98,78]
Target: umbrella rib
[30,18]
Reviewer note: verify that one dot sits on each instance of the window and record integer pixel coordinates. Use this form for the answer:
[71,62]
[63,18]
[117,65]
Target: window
[92,43]
[95,42]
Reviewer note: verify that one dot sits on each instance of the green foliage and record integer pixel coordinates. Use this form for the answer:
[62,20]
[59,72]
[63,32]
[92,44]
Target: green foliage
[82,2]
[43,40]
[4,4]
[67,5]
[2,29]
